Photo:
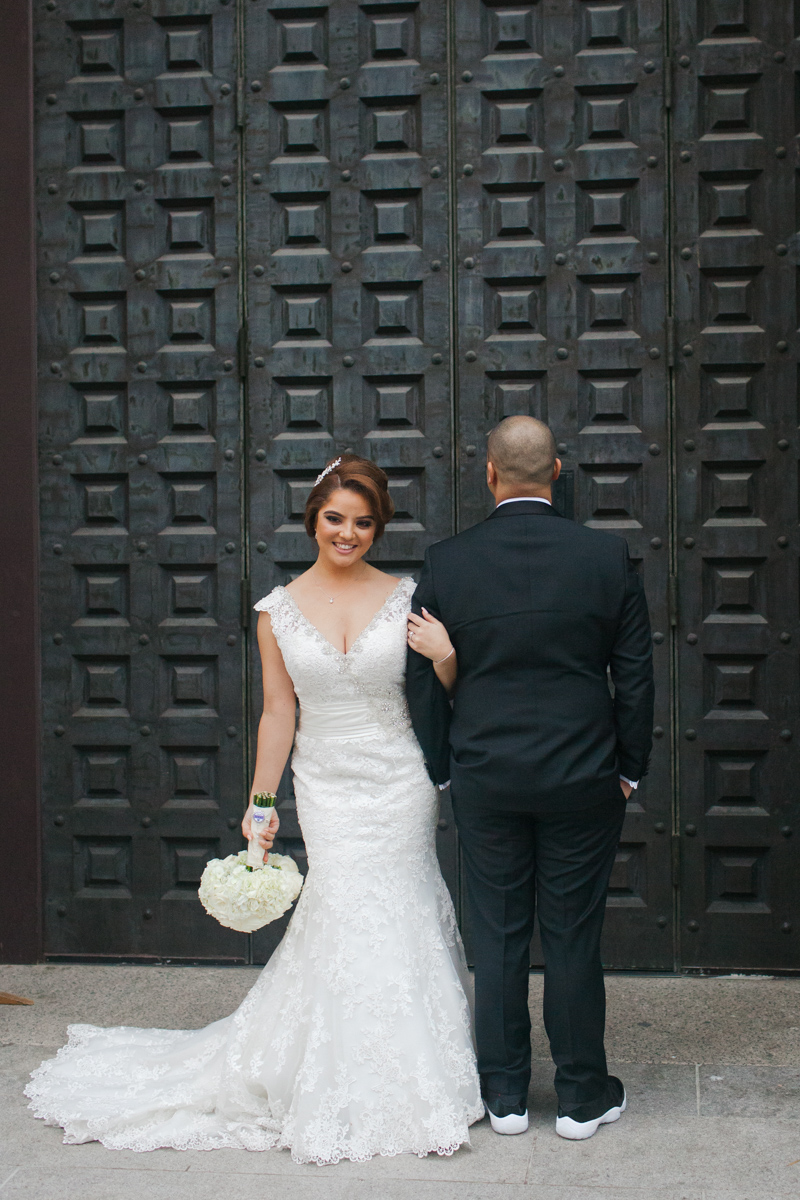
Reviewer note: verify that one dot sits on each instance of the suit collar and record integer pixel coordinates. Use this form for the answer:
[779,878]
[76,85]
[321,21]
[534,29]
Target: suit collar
[523,508]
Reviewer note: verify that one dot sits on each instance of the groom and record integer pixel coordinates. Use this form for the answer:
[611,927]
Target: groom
[542,759]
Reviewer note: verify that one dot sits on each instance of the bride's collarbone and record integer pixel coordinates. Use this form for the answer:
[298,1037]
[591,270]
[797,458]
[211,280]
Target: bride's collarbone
[342,616]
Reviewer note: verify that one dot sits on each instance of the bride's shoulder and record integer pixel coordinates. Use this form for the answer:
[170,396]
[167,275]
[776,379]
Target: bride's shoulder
[273,601]
[403,588]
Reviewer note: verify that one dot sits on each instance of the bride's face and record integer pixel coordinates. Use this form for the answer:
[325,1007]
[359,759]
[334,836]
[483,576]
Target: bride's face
[345,528]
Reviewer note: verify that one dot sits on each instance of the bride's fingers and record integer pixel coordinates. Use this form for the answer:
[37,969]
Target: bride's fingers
[429,618]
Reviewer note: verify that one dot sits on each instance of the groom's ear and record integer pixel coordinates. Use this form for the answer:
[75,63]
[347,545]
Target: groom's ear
[491,475]
[556,469]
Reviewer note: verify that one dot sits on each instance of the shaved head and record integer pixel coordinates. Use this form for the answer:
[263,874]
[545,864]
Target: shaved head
[523,452]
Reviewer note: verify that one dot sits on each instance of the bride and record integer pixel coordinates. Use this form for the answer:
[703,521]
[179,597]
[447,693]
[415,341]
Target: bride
[356,1038]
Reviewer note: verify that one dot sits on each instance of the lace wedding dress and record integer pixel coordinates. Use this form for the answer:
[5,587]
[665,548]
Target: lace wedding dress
[356,1039]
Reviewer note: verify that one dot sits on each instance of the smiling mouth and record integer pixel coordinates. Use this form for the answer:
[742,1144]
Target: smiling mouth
[345,545]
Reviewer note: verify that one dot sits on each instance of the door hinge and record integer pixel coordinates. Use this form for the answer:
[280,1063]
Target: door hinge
[672,600]
[242,350]
[667,82]
[240,104]
[244,594]
[676,859]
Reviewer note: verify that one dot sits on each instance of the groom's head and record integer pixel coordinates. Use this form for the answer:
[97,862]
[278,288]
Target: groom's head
[521,459]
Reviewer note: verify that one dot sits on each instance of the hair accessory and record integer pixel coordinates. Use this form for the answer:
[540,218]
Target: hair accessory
[330,467]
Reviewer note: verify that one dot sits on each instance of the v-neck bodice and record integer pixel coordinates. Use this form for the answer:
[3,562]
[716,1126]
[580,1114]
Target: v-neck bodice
[361,689]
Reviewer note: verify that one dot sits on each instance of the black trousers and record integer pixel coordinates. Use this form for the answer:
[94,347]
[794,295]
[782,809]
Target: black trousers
[514,862]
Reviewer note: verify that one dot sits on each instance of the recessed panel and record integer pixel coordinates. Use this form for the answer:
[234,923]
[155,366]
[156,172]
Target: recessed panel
[300,36]
[189,411]
[515,309]
[393,405]
[103,411]
[608,306]
[102,595]
[101,686]
[732,396]
[99,230]
[187,45]
[725,18]
[192,777]
[603,26]
[186,136]
[300,132]
[608,209]
[189,596]
[512,29]
[190,687]
[612,495]
[391,127]
[101,776]
[391,32]
[102,868]
[734,687]
[392,313]
[627,887]
[737,879]
[734,784]
[610,401]
[186,227]
[391,218]
[102,503]
[99,47]
[512,119]
[99,322]
[514,216]
[734,591]
[516,394]
[731,493]
[301,405]
[408,495]
[96,141]
[191,501]
[728,107]
[183,861]
[301,314]
[301,222]
[186,320]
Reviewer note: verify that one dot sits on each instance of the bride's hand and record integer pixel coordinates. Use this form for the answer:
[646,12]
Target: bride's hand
[268,835]
[428,636]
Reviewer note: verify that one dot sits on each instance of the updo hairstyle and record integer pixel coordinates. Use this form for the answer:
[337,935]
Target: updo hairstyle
[353,474]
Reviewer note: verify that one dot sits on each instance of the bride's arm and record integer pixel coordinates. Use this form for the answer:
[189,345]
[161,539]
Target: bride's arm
[276,727]
[429,637]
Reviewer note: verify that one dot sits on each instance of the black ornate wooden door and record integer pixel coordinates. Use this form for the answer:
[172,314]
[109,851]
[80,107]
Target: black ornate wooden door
[141,472]
[269,233]
[562,304]
[736,273]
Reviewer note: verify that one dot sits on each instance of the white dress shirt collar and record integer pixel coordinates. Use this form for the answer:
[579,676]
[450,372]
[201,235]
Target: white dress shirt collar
[517,499]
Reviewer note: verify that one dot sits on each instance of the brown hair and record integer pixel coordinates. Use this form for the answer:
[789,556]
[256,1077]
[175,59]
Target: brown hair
[354,474]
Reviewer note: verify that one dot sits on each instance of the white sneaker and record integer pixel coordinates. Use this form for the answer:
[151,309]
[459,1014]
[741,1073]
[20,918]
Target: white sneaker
[513,1123]
[576,1131]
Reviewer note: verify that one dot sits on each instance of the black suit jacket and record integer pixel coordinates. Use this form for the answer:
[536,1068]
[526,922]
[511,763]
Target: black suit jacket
[538,609]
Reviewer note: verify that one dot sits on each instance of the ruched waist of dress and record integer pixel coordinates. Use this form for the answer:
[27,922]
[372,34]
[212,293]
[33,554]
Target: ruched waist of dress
[337,720]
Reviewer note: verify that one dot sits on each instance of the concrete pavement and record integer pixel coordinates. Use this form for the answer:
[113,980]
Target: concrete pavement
[711,1066]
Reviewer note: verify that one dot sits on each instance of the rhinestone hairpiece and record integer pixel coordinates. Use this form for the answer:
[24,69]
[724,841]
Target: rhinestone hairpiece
[330,467]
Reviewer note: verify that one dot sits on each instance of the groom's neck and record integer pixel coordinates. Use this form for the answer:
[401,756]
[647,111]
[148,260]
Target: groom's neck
[501,493]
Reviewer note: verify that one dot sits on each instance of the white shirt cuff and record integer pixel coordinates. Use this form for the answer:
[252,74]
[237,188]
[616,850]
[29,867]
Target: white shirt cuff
[633,783]
[443,786]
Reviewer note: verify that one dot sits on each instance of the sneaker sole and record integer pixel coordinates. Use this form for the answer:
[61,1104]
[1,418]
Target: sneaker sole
[510,1125]
[578,1131]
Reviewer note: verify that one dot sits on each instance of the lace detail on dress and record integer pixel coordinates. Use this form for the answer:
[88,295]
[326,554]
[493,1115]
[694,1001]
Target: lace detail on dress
[356,1039]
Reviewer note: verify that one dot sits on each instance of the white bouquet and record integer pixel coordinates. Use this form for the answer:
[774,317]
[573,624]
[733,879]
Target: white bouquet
[245,899]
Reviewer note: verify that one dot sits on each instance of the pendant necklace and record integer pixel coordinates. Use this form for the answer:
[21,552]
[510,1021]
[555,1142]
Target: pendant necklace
[344,589]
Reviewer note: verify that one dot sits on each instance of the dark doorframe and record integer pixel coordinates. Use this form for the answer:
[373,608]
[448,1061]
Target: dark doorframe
[20,906]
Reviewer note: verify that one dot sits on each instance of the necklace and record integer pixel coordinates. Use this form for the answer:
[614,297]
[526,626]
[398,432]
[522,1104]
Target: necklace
[344,589]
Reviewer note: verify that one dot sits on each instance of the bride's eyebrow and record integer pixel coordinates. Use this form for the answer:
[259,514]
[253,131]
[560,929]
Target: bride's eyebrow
[331,512]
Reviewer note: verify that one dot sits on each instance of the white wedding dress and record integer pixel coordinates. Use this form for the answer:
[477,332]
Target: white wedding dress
[356,1039]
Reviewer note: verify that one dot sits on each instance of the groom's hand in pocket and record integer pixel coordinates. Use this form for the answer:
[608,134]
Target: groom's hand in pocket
[626,788]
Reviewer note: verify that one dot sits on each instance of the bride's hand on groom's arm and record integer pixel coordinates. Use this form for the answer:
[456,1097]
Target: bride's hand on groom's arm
[429,638]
